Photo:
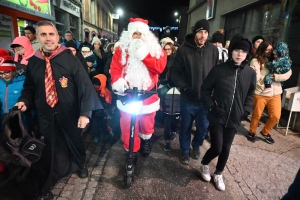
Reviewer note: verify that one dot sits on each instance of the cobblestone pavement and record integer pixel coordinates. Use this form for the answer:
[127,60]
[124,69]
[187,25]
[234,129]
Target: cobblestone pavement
[75,188]
[254,171]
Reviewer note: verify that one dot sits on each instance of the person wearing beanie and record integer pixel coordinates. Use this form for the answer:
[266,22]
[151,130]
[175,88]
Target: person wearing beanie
[100,55]
[192,62]
[168,34]
[227,93]
[217,40]
[11,83]
[256,42]
[64,98]
[99,117]
[137,62]
[23,51]
[73,47]
[90,59]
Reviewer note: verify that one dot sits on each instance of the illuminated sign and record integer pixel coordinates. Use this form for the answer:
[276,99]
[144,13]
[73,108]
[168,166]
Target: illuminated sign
[157,28]
[39,8]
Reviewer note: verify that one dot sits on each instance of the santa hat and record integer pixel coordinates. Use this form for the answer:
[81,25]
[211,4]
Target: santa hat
[138,24]
[6,62]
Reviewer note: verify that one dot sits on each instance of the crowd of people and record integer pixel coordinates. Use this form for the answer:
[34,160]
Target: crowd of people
[69,86]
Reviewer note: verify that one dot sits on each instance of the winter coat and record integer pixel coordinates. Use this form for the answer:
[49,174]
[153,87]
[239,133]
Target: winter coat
[10,92]
[28,53]
[103,91]
[91,57]
[100,61]
[191,65]
[261,73]
[231,88]
[78,44]
[163,75]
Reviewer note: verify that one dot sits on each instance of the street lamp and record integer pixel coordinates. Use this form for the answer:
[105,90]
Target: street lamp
[176,13]
[120,12]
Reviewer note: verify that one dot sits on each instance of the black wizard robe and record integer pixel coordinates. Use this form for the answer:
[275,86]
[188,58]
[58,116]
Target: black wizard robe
[58,125]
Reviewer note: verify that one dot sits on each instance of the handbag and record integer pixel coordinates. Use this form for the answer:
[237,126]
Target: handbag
[24,148]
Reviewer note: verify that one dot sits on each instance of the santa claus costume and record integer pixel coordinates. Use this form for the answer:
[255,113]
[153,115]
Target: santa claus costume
[137,63]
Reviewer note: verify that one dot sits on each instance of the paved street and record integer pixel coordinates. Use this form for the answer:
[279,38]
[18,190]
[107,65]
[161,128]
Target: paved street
[254,171]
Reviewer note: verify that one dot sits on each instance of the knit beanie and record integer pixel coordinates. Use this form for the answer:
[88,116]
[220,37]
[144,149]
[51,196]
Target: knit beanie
[217,37]
[242,44]
[96,39]
[71,43]
[85,48]
[257,38]
[6,62]
[202,24]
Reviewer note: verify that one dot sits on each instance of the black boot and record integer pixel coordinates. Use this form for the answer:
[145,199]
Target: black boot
[145,148]
[48,196]
[83,173]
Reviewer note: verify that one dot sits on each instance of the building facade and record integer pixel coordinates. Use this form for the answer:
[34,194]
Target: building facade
[15,15]
[97,19]
[68,17]
[275,20]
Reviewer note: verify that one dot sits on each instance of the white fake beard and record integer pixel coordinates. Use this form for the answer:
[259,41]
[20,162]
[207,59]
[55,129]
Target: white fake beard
[137,74]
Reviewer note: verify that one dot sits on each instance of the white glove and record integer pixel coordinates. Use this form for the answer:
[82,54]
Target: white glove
[120,86]
[136,44]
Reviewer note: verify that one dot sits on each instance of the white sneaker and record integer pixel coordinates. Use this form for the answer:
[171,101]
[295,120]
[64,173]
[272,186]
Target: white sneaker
[218,179]
[204,171]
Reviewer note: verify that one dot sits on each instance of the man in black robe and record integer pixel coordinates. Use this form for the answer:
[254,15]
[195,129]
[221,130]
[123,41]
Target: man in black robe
[59,123]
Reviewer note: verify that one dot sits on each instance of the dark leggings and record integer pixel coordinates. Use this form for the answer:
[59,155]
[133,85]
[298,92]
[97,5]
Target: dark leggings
[221,140]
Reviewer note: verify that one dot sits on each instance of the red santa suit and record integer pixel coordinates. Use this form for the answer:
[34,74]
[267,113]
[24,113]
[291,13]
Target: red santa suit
[137,63]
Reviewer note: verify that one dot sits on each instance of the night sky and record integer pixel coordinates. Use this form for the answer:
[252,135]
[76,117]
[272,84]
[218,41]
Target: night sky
[160,11]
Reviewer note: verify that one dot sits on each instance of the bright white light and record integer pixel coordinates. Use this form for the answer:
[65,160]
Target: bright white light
[135,107]
[177,20]
[176,13]
[120,11]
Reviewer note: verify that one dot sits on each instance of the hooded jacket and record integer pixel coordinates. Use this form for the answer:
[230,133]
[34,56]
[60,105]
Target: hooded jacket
[103,91]
[231,87]
[191,65]
[28,53]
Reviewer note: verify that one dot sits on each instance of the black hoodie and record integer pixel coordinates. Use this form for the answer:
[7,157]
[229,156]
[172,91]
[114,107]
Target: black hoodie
[231,87]
[191,65]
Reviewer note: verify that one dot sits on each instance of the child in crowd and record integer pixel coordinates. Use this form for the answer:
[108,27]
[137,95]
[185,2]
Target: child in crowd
[90,58]
[11,85]
[280,65]
[99,117]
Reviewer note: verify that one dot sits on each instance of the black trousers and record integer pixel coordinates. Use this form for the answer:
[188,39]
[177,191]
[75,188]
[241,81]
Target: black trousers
[221,140]
[170,125]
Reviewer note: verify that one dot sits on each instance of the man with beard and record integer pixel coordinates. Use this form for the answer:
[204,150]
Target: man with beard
[137,62]
[64,97]
[192,62]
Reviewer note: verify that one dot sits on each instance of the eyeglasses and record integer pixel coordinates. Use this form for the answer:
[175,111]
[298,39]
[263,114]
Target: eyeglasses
[240,51]
[167,49]
[6,73]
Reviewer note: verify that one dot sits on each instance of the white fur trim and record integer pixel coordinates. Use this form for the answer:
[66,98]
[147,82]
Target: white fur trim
[145,136]
[145,109]
[142,52]
[8,65]
[138,26]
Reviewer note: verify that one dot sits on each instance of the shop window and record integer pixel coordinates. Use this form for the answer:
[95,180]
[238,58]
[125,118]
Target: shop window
[22,23]
[59,16]
[74,25]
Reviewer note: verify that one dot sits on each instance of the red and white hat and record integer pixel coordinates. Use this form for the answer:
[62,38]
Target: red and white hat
[6,62]
[138,24]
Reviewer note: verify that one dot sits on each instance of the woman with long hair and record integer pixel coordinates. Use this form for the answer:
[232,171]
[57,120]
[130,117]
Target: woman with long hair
[271,99]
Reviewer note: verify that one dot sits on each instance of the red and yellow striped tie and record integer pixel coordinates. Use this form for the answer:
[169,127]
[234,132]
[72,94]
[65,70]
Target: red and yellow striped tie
[51,94]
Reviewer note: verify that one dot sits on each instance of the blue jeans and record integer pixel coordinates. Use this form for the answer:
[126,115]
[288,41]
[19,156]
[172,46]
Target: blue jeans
[189,113]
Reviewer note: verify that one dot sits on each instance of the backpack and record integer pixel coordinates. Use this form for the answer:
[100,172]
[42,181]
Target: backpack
[24,148]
